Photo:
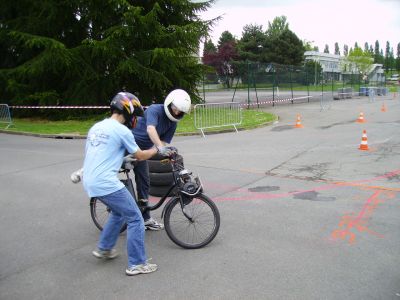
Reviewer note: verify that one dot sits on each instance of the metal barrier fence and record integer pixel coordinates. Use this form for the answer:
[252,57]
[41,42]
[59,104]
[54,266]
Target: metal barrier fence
[5,116]
[213,115]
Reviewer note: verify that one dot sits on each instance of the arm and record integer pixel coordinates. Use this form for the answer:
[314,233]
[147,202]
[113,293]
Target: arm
[145,154]
[153,135]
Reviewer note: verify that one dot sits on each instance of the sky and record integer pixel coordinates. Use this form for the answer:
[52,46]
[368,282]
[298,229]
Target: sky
[320,22]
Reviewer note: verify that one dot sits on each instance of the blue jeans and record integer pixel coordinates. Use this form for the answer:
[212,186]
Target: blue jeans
[142,180]
[124,209]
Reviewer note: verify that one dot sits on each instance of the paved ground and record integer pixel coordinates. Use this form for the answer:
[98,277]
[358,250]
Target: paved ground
[305,215]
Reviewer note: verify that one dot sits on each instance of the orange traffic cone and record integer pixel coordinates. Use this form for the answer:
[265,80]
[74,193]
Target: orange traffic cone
[383,108]
[298,122]
[364,141]
[361,118]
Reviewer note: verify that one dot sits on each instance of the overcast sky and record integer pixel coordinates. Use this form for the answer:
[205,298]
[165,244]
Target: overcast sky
[318,21]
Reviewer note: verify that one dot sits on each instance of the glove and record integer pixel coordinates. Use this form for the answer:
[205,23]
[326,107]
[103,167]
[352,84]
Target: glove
[129,158]
[164,151]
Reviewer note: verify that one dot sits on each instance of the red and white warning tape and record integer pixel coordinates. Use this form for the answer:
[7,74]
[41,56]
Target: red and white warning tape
[60,107]
[107,107]
[275,101]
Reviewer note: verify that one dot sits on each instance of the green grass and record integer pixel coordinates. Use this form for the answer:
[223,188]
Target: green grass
[251,119]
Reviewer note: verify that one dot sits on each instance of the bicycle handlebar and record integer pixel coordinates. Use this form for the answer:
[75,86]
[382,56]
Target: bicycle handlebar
[129,160]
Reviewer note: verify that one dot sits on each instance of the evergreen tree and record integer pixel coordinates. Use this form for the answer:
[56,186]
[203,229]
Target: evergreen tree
[326,50]
[251,44]
[377,53]
[398,58]
[277,26]
[337,51]
[366,47]
[387,56]
[82,51]
[285,48]
[225,37]
[282,46]
[345,50]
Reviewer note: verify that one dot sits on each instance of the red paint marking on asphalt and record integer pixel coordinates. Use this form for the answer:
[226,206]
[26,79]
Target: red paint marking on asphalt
[266,196]
[350,225]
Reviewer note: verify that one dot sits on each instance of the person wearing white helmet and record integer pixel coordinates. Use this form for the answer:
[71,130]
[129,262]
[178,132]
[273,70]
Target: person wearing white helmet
[157,128]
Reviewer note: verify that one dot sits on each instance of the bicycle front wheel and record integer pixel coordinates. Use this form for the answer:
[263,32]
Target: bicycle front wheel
[100,213]
[198,227]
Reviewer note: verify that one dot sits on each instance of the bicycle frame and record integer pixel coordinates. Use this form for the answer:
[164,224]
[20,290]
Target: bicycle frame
[175,171]
[131,189]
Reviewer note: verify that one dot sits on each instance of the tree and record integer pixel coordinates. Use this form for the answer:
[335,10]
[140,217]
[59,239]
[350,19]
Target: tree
[313,70]
[308,46]
[221,60]
[209,47]
[210,55]
[398,58]
[277,26]
[359,60]
[250,46]
[337,51]
[326,50]
[378,58]
[366,47]
[345,50]
[225,37]
[285,48]
[387,56]
[82,51]
[282,46]
[227,53]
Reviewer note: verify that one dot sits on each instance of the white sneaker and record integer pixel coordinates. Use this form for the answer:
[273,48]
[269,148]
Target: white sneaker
[77,176]
[152,224]
[141,269]
[107,254]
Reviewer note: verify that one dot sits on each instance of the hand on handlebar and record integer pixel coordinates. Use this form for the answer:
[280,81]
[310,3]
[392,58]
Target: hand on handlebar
[167,150]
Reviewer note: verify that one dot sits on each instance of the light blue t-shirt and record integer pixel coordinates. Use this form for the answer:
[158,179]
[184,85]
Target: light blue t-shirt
[106,144]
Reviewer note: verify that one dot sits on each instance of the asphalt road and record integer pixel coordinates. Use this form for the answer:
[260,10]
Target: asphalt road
[304,214]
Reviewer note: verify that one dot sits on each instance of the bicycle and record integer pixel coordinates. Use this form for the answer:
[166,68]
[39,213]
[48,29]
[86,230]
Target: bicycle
[191,218]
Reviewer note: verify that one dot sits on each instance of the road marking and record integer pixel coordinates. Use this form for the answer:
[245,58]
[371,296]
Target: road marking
[351,225]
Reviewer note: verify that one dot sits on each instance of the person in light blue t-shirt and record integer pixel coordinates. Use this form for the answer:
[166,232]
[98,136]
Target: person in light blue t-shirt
[106,146]
[157,128]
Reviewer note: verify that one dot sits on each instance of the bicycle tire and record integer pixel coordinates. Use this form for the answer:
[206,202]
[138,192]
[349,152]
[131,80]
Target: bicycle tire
[99,213]
[192,234]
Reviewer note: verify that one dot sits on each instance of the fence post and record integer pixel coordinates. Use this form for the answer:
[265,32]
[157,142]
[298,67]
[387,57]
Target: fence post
[248,84]
[308,85]
[204,89]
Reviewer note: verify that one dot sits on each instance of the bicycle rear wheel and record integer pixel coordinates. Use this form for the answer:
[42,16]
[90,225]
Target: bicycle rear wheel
[100,212]
[196,231]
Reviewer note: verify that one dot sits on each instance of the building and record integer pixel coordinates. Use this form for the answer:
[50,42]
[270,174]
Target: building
[332,65]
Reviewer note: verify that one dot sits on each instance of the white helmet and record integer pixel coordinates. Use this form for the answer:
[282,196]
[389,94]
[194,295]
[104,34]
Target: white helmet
[181,100]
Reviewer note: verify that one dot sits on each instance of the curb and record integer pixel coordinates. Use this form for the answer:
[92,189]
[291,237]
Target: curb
[81,137]
[42,135]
